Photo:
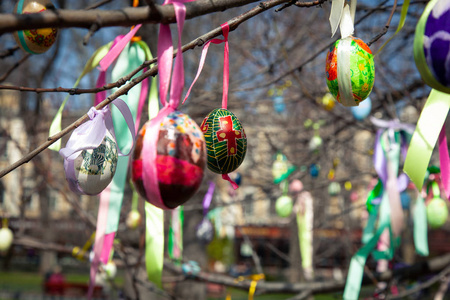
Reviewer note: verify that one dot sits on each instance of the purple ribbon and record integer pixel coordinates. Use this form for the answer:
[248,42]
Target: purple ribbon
[208,198]
[90,135]
[379,159]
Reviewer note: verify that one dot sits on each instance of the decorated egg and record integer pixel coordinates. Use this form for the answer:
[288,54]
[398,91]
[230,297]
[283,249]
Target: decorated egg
[283,206]
[110,270]
[6,238]
[432,45]
[315,143]
[191,268]
[133,219]
[437,212]
[95,168]
[334,188]
[180,159]
[226,141]
[205,231]
[328,102]
[363,110]
[35,41]
[314,170]
[296,186]
[361,70]
[281,168]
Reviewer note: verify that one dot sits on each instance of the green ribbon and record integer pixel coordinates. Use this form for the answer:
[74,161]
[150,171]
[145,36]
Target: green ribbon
[154,243]
[91,64]
[175,242]
[154,216]
[425,136]
[371,236]
[403,15]
[420,227]
[129,59]
[305,234]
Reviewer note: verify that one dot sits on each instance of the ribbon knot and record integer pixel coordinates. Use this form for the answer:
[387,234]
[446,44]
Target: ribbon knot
[90,135]
[93,112]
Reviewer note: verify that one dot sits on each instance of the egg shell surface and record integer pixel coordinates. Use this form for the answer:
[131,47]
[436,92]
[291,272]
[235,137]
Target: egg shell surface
[95,168]
[226,142]
[437,212]
[362,70]
[284,206]
[34,41]
[180,159]
[432,45]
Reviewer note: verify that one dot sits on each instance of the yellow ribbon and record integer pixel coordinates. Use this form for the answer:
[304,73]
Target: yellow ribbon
[79,254]
[251,292]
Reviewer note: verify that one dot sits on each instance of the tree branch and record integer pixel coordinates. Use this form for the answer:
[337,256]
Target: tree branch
[128,16]
[234,23]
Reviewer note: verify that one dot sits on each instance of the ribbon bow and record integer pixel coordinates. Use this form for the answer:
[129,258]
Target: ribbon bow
[89,136]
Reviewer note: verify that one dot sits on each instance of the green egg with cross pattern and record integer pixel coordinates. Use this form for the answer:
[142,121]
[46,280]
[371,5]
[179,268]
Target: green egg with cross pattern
[226,142]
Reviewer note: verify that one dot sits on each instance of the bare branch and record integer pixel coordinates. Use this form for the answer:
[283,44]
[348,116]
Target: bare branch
[124,17]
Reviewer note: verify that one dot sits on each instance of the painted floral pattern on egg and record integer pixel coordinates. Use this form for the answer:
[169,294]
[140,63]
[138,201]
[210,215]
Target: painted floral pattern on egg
[362,70]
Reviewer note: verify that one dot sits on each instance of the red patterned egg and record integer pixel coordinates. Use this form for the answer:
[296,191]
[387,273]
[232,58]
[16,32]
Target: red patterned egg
[180,159]
[35,41]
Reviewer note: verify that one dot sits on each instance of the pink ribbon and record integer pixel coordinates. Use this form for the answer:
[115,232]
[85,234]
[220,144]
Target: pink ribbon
[226,64]
[165,57]
[103,243]
[226,76]
[444,162]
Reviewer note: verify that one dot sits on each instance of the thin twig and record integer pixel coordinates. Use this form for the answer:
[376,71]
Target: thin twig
[8,52]
[15,66]
[98,4]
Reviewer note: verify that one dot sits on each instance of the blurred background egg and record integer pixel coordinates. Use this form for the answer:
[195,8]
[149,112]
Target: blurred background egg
[35,41]
[6,238]
[363,110]
[180,159]
[283,206]
[133,219]
[437,212]
[95,168]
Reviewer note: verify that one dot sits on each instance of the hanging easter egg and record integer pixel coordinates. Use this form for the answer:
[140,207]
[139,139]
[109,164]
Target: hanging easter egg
[133,219]
[205,231]
[180,159]
[314,170]
[110,270]
[226,141]
[354,61]
[35,41]
[6,238]
[281,168]
[334,188]
[191,268]
[95,168]
[328,102]
[432,45]
[437,212]
[363,110]
[295,186]
[283,206]
[315,143]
